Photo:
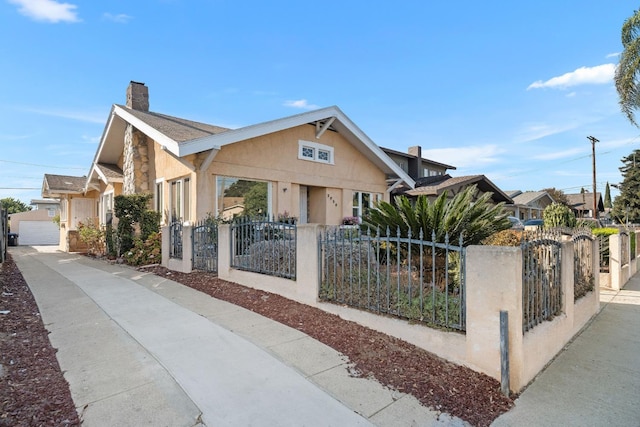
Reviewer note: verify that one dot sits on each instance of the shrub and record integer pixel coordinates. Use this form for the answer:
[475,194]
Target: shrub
[505,238]
[146,251]
[558,215]
[92,235]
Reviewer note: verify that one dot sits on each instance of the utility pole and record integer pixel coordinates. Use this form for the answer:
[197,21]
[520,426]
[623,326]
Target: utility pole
[593,159]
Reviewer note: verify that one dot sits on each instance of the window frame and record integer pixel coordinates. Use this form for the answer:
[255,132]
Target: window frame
[181,208]
[316,150]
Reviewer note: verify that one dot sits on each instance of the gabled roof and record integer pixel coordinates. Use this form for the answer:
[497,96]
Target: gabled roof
[56,185]
[180,137]
[411,156]
[584,201]
[435,185]
[530,197]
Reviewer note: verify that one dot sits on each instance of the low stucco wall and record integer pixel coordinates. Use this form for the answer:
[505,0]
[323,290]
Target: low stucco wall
[488,291]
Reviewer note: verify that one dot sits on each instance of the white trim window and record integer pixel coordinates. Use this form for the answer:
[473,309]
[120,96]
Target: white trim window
[106,208]
[314,152]
[180,199]
[158,196]
[363,202]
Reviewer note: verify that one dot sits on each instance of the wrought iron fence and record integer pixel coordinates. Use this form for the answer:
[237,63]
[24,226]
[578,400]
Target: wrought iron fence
[541,278]
[264,246]
[583,274]
[624,248]
[175,239]
[204,238]
[603,252]
[407,277]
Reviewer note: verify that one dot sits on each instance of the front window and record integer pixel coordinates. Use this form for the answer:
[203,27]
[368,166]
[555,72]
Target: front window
[180,200]
[105,207]
[238,197]
[363,202]
[159,199]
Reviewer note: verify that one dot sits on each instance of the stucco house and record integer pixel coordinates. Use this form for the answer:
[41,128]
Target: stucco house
[528,204]
[317,166]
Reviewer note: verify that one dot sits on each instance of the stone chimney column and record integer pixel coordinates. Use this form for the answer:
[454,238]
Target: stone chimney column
[138,96]
[136,156]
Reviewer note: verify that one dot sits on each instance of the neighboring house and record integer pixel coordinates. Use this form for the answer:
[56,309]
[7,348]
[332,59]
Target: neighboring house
[76,205]
[317,166]
[529,204]
[36,227]
[415,165]
[582,204]
[433,186]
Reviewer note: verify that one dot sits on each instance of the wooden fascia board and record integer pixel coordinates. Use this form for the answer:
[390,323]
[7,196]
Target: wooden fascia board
[165,142]
[235,135]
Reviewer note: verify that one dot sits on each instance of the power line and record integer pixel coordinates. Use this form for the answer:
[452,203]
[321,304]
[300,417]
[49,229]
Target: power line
[43,166]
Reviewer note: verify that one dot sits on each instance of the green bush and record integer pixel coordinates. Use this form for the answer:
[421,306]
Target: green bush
[145,252]
[558,215]
[92,235]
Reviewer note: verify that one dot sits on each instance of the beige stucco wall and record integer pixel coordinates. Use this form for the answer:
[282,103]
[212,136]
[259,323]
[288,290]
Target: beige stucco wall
[274,158]
[36,215]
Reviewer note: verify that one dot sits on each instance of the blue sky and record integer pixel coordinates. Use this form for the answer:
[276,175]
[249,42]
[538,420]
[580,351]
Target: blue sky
[510,90]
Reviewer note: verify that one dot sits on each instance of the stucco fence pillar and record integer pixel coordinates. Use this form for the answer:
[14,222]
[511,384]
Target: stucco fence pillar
[184,264]
[303,289]
[494,282]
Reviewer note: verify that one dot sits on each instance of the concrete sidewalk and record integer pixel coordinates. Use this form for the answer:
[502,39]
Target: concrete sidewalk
[138,349]
[595,381]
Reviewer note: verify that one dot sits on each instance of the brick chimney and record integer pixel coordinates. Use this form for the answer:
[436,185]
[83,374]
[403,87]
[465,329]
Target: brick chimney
[415,163]
[138,96]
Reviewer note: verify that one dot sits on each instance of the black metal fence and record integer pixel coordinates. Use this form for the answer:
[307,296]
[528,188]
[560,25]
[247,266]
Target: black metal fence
[407,277]
[541,279]
[264,246]
[204,238]
[175,239]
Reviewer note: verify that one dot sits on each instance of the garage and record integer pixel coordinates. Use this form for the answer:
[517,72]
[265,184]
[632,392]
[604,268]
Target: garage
[38,233]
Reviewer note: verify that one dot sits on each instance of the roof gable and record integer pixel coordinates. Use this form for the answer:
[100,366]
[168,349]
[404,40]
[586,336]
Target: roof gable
[181,137]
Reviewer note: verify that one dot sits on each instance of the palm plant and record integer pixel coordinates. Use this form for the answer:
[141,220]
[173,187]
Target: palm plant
[628,70]
[474,218]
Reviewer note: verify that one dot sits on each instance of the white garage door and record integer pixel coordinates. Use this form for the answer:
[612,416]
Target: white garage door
[38,233]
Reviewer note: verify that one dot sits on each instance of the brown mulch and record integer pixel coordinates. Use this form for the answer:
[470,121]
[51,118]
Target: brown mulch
[435,382]
[33,391]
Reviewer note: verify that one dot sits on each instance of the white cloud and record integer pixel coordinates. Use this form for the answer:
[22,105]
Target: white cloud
[47,10]
[600,74]
[120,18]
[473,155]
[613,55]
[301,103]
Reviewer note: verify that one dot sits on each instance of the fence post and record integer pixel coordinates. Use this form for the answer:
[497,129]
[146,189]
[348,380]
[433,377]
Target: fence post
[504,352]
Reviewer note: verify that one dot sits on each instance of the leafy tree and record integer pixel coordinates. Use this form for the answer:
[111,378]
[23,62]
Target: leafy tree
[607,197]
[628,201]
[12,205]
[240,188]
[464,215]
[558,196]
[255,200]
[558,215]
[628,71]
